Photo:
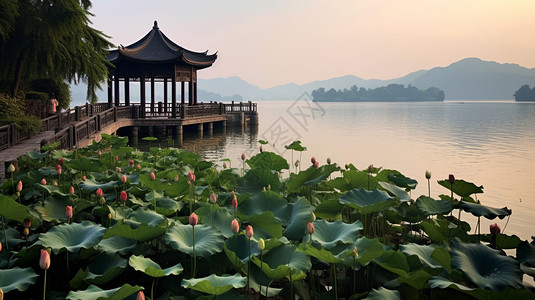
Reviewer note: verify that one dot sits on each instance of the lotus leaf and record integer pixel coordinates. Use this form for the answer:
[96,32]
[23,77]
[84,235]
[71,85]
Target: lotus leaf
[525,253]
[255,180]
[383,294]
[215,285]
[146,216]
[141,233]
[329,234]
[353,179]
[486,267]
[266,226]
[296,146]
[95,293]
[104,268]
[219,215]
[53,209]
[461,187]
[367,201]
[151,268]
[268,161]
[17,279]
[479,210]
[328,256]
[208,240]
[117,244]
[265,201]
[13,237]
[400,179]
[429,206]
[309,177]
[301,215]
[36,155]
[92,185]
[239,247]
[440,230]
[396,191]
[12,210]
[279,261]
[409,271]
[86,164]
[329,209]
[424,253]
[72,237]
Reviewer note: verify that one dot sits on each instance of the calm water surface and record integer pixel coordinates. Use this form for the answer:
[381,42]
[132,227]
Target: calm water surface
[487,143]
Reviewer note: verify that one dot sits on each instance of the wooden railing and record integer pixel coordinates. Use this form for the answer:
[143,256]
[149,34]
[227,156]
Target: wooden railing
[240,107]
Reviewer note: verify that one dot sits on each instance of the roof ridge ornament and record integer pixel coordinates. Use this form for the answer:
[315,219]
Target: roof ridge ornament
[155,25]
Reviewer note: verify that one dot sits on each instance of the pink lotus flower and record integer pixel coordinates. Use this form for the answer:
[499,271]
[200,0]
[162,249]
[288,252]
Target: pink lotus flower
[191,176]
[193,219]
[116,157]
[123,196]
[84,178]
[61,161]
[71,190]
[131,163]
[152,176]
[310,228]
[99,153]
[0,246]
[234,226]
[313,160]
[176,178]
[119,170]
[27,223]
[140,296]
[451,179]
[68,212]
[316,164]
[234,202]
[43,181]
[139,167]
[58,169]
[495,229]
[249,231]
[213,198]
[99,192]
[44,260]
[243,156]
[19,186]
[123,178]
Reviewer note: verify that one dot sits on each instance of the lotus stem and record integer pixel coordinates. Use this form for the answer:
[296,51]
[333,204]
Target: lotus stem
[194,256]
[334,279]
[429,187]
[249,265]
[191,198]
[44,286]
[291,285]
[5,235]
[152,288]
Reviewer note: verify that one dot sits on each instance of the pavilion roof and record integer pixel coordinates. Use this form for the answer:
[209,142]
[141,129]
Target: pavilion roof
[155,47]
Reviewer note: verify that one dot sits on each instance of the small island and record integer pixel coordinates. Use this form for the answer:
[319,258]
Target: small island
[390,93]
[525,93]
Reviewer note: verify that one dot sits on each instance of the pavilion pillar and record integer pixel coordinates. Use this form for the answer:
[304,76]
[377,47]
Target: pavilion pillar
[165,94]
[110,92]
[190,92]
[142,94]
[127,91]
[195,93]
[182,99]
[152,100]
[173,97]
[116,88]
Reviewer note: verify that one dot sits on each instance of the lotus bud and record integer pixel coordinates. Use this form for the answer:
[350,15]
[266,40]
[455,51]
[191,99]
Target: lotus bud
[269,187]
[495,229]
[123,196]
[131,162]
[313,160]
[119,170]
[213,198]
[313,216]
[99,192]
[278,173]
[176,178]
[0,249]
[101,200]
[213,171]
[296,163]
[71,190]
[451,179]
[26,232]
[310,228]
[152,176]
[249,231]
[123,178]
[191,176]
[61,161]
[44,259]
[11,168]
[68,212]
[224,165]
[189,182]
[261,244]
[261,150]
[99,153]
[427,175]
[109,216]
[54,183]
[346,167]
[58,169]
[43,181]
[140,296]
[243,156]
[116,157]
[193,219]
[234,202]
[139,167]
[27,223]
[355,252]
[263,189]
[84,178]
[19,186]
[1,291]
[234,226]
[316,164]
[370,168]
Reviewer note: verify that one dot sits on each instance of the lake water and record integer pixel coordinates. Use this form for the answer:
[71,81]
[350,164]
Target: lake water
[487,143]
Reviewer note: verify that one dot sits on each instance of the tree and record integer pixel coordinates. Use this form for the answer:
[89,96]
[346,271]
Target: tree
[54,39]
[525,93]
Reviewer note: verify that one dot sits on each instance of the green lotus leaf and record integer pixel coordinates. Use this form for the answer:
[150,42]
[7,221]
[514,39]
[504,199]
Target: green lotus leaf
[167,206]
[409,271]
[48,171]
[486,267]
[525,253]
[220,217]
[12,210]
[238,248]
[150,138]
[86,164]
[310,177]
[72,237]
[400,180]
[92,185]
[279,261]
[328,256]
[506,294]
[301,215]
[208,240]
[429,206]
[329,209]
[503,241]
[263,142]
[52,190]
[367,249]
[528,270]
[17,279]
[36,155]
[255,180]
[265,201]
[296,146]
[215,285]
[151,268]
[104,268]
[407,212]
[329,234]
[442,283]
[266,226]
[440,230]
[117,244]
[268,161]
[396,191]
[488,212]
[146,216]
[367,201]
[353,179]
[95,293]
[383,294]
[141,233]
[461,187]
[53,209]
[14,238]
[423,252]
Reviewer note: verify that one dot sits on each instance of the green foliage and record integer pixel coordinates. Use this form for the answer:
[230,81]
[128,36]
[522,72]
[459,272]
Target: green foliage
[392,92]
[12,112]
[525,93]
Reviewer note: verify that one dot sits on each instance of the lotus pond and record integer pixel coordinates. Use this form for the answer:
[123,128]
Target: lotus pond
[111,222]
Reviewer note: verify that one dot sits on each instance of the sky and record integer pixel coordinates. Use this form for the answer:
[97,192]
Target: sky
[269,43]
